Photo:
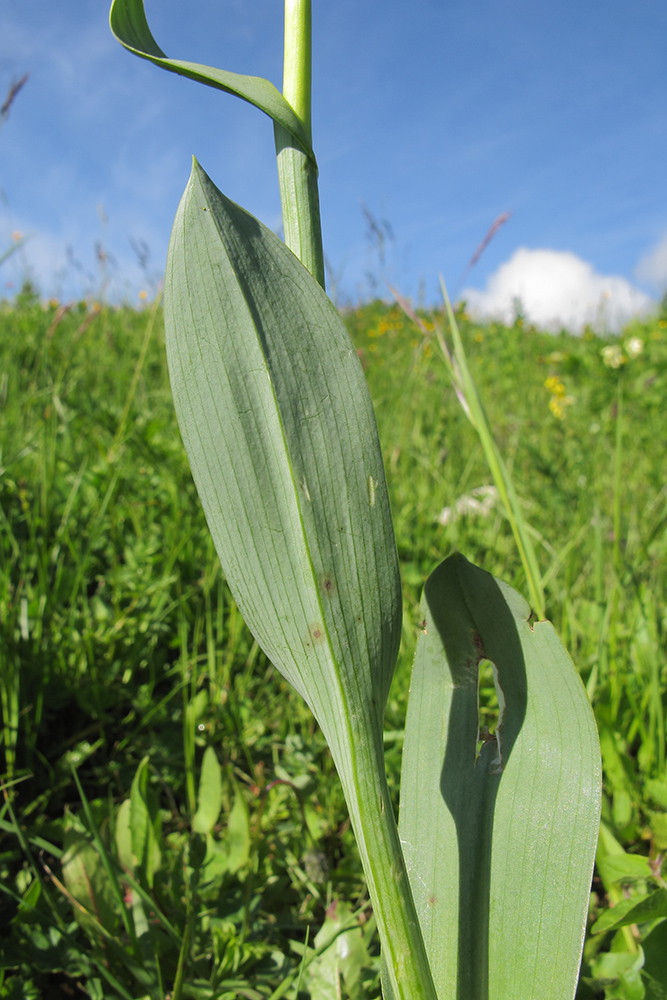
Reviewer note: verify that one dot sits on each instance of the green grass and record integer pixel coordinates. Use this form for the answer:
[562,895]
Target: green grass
[120,641]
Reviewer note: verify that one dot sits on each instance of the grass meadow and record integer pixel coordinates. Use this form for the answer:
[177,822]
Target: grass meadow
[171,822]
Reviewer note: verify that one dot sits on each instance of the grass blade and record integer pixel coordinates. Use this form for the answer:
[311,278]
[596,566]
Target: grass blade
[466,392]
[499,471]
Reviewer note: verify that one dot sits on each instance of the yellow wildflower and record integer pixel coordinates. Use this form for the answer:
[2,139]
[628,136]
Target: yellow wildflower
[558,405]
[555,386]
[559,399]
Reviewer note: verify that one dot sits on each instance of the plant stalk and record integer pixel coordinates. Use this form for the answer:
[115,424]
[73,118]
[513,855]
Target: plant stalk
[376,833]
[297,169]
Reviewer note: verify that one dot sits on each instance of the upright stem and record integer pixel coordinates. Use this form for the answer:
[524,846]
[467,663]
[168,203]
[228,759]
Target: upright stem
[406,972]
[297,65]
[366,793]
[297,170]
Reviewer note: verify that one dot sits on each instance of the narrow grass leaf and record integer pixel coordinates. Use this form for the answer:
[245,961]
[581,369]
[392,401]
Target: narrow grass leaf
[498,831]
[127,19]
[465,388]
[499,471]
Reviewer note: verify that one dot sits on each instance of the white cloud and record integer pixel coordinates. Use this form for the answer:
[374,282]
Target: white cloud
[652,267]
[556,290]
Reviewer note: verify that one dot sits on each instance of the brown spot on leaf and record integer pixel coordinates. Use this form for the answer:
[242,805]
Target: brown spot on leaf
[316,634]
[327,584]
[479,645]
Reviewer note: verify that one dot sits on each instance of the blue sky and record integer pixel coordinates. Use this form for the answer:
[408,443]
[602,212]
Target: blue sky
[437,115]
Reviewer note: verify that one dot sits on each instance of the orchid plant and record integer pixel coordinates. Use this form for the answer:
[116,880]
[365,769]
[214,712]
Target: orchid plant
[481,888]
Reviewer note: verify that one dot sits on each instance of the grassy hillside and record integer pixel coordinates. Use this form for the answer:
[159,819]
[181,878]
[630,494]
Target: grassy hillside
[120,643]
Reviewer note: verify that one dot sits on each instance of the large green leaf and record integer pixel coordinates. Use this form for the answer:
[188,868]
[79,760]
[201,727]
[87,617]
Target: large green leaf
[499,836]
[127,19]
[279,429]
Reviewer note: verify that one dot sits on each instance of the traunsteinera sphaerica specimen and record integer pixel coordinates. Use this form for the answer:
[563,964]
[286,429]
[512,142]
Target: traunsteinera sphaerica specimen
[481,890]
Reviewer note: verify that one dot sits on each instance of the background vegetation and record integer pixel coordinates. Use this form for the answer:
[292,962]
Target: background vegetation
[172,823]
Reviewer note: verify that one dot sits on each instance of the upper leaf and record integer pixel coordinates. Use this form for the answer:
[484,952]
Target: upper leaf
[499,834]
[127,19]
[279,429]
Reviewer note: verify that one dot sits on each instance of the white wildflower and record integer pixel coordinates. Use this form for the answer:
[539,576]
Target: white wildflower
[634,347]
[613,356]
[478,503]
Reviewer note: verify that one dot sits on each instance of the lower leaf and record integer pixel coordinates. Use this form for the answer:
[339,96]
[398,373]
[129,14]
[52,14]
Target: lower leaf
[498,830]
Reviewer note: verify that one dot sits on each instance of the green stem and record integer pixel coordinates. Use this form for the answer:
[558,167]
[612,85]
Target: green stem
[297,66]
[374,824]
[297,171]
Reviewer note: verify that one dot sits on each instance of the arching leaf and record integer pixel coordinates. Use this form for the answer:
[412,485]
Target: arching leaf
[127,19]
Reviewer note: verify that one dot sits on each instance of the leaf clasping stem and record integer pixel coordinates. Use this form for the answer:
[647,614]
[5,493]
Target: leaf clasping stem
[297,172]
